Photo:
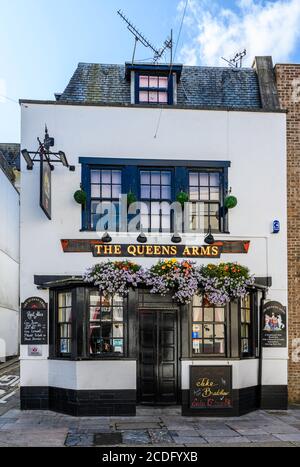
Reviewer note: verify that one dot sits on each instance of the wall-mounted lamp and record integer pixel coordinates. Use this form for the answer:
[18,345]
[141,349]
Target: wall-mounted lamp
[106,238]
[176,238]
[209,239]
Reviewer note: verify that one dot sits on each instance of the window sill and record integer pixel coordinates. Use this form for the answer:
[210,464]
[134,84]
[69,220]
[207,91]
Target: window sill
[213,357]
[98,359]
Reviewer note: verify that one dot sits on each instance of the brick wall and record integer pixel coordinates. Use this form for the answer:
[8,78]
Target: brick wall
[288,83]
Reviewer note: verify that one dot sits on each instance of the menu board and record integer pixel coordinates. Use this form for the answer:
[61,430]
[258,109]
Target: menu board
[274,325]
[34,322]
[211,387]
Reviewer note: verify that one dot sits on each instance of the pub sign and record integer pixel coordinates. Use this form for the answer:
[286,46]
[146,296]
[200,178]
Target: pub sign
[45,187]
[274,325]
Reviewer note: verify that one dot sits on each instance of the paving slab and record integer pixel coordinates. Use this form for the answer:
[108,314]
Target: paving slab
[160,436]
[136,437]
[262,438]
[137,426]
[226,440]
[185,433]
[288,437]
[190,441]
[79,440]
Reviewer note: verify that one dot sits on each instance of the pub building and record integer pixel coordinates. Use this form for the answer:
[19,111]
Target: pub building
[155,133]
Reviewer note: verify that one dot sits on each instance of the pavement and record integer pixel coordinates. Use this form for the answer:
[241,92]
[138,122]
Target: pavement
[152,427]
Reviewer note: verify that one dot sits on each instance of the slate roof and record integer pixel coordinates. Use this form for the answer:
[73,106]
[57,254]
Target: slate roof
[198,87]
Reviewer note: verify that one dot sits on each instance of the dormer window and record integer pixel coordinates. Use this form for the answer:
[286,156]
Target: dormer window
[154,89]
[153,84]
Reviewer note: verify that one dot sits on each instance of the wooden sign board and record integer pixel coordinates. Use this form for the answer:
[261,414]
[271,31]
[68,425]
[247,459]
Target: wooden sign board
[211,387]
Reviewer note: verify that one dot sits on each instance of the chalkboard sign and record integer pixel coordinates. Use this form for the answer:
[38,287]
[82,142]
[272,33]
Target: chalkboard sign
[211,387]
[34,322]
[274,325]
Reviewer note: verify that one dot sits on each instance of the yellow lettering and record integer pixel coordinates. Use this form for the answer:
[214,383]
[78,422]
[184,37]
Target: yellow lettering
[108,249]
[157,250]
[205,251]
[215,251]
[149,250]
[187,251]
[140,250]
[98,249]
[165,251]
[118,250]
[195,251]
[174,250]
[132,250]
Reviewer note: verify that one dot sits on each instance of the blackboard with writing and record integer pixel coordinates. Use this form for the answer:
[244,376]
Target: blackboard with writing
[34,322]
[274,329]
[211,387]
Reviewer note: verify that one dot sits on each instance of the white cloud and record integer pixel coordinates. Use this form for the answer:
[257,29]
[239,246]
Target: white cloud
[262,27]
[2,91]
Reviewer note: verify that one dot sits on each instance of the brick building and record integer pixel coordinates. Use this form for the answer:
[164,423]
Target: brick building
[288,83]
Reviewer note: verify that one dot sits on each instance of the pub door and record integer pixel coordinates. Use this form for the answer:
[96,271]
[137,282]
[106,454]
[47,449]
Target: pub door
[158,357]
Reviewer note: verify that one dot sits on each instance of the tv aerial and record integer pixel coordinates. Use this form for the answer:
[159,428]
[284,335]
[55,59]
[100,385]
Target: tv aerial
[139,37]
[237,61]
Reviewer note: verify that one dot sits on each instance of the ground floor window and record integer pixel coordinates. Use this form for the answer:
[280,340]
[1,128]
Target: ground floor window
[208,332]
[106,324]
[64,323]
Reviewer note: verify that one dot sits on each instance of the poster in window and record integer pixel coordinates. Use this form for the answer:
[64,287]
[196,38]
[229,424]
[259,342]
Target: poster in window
[274,325]
[45,187]
[211,387]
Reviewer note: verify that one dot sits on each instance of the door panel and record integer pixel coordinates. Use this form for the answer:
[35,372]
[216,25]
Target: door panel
[158,360]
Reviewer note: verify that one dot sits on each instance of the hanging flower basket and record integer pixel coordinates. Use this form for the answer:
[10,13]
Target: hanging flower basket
[219,284]
[115,277]
[182,197]
[230,202]
[179,278]
[80,197]
[225,282]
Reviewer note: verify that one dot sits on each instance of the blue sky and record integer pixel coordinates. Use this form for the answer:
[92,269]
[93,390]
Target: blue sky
[42,41]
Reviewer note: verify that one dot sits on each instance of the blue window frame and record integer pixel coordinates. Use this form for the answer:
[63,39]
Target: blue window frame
[154,182]
[156,195]
[153,88]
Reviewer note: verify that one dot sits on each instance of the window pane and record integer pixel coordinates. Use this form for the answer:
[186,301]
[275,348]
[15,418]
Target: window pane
[106,330]
[145,178]
[105,314]
[153,97]
[116,191]
[153,82]
[219,315]
[197,314]
[208,346]
[194,194]
[95,176]
[194,179]
[155,222]
[165,178]
[106,191]
[65,346]
[245,346]
[144,96]
[145,191]
[155,178]
[118,314]
[117,177]
[163,82]
[219,346]
[166,192]
[220,331]
[197,331]
[118,330]
[118,345]
[166,223]
[214,194]
[94,314]
[95,191]
[163,97]
[208,314]
[208,331]
[155,192]
[198,300]
[214,179]
[197,344]
[144,83]
[204,179]
[106,176]
[204,193]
